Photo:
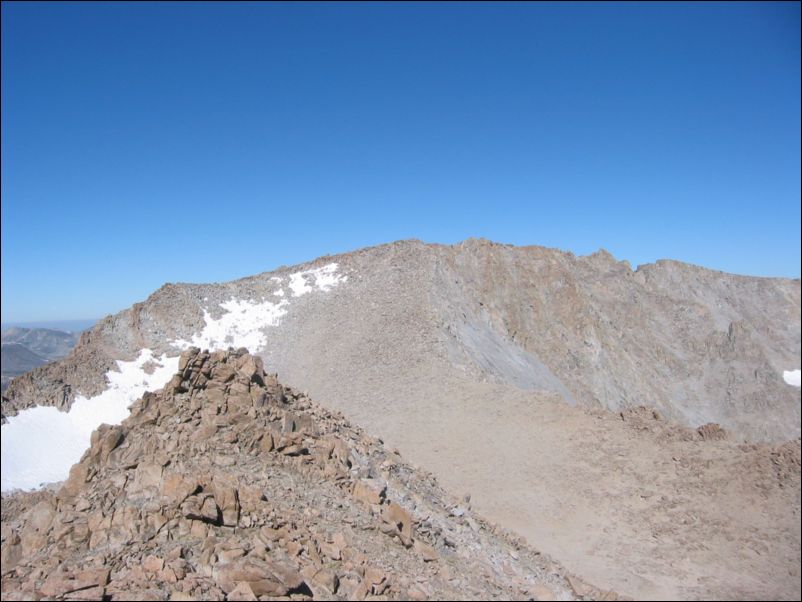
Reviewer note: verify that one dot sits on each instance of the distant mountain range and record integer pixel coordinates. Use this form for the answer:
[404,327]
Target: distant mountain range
[65,325]
[24,349]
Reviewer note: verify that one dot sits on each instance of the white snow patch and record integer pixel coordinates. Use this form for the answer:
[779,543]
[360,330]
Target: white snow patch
[241,326]
[40,444]
[792,377]
[324,279]
[244,322]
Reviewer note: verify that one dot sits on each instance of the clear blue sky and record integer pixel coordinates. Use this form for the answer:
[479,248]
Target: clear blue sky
[147,143]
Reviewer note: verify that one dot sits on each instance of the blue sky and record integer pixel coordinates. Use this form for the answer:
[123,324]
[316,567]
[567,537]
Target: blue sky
[147,143]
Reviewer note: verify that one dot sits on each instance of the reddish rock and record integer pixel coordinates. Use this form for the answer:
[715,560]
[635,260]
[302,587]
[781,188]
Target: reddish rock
[369,491]
[400,520]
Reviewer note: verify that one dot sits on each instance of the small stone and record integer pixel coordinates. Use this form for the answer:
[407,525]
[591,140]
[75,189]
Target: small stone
[369,491]
[267,444]
[374,575]
[242,591]
[153,564]
[580,588]
[331,550]
[324,579]
[230,555]
[294,548]
[427,552]
[395,516]
[541,592]
[295,450]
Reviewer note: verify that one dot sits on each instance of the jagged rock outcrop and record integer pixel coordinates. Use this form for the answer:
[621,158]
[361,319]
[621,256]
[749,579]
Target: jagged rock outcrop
[227,485]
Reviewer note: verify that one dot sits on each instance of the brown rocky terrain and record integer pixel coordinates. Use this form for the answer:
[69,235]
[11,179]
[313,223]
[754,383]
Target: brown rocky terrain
[518,375]
[227,485]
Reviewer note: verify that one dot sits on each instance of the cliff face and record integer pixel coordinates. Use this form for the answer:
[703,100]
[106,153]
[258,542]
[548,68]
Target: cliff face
[697,345]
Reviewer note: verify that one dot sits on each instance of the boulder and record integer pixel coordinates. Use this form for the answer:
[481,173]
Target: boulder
[177,487]
[427,552]
[400,520]
[369,491]
[227,500]
[264,578]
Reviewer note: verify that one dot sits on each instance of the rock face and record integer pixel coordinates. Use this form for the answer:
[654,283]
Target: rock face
[218,487]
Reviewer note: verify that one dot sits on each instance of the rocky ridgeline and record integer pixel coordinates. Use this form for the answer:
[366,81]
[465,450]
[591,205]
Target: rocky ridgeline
[57,383]
[228,485]
[697,345]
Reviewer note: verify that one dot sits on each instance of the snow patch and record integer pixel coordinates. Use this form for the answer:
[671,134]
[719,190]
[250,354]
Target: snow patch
[324,278]
[40,444]
[241,326]
[244,322]
[792,377]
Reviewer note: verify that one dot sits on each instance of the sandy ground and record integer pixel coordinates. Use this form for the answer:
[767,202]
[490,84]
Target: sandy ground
[629,504]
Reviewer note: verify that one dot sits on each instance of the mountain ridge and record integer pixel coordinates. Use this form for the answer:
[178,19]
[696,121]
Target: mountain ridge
[666,273]
[601,252]
[517,374]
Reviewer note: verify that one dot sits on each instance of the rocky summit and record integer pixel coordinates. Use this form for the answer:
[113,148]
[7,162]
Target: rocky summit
[228,485]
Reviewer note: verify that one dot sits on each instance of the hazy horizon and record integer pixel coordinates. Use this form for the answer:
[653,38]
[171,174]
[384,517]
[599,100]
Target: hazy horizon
[67,324]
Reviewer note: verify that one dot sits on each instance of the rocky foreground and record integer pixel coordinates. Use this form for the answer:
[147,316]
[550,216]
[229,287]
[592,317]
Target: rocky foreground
[228,485]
